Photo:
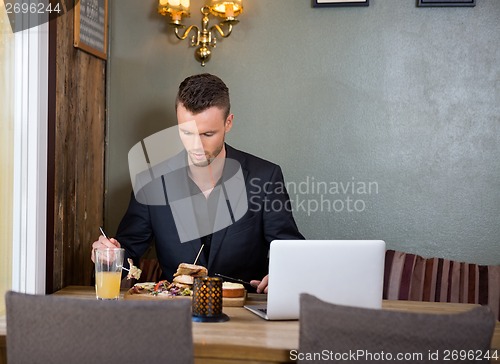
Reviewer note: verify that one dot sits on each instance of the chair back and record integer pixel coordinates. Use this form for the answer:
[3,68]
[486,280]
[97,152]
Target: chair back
[373,335]
[61,330]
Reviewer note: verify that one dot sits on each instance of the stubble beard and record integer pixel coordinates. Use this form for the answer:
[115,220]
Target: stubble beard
[209,158]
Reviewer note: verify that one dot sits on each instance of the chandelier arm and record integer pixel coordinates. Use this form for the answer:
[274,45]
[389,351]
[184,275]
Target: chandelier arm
[221,31]
[186,32]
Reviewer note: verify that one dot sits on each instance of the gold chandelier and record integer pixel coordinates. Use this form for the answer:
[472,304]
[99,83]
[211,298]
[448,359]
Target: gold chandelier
[204,38]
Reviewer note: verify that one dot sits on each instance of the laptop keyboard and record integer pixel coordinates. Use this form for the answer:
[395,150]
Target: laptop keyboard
[264,310]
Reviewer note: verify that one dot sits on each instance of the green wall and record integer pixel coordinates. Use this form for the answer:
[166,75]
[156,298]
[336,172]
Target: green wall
[401,103]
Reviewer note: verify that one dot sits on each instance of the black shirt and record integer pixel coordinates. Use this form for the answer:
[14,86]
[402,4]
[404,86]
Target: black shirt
[205,210]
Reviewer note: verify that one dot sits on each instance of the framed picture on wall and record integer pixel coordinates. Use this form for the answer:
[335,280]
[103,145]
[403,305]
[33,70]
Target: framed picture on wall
[91,27]
[445,3]
[325,3]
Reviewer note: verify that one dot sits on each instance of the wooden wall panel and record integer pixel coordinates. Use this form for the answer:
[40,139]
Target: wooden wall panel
[78,158]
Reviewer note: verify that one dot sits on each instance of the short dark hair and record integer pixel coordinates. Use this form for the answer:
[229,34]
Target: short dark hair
[200,92]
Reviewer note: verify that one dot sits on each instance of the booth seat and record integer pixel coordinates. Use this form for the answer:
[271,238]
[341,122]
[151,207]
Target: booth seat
[412,277]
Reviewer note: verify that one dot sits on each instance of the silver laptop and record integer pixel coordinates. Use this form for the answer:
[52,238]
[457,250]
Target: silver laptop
[345,272]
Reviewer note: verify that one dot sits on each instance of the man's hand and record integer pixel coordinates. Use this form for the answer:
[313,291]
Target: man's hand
[103,243]
[260,285]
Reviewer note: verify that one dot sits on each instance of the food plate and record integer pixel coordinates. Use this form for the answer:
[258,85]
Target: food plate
[131,294]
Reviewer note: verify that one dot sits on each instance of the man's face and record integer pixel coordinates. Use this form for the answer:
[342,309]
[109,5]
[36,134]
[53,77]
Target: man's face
[203,134]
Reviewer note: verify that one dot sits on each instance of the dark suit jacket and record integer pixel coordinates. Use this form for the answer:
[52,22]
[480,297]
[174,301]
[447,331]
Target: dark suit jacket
[239,250]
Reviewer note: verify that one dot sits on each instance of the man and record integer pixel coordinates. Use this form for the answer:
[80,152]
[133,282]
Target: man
[213,204]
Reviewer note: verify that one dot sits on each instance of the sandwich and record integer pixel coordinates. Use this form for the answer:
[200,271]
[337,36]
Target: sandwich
[186,273]
[182,284]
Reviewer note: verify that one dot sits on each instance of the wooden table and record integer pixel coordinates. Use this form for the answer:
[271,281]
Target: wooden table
[248,338]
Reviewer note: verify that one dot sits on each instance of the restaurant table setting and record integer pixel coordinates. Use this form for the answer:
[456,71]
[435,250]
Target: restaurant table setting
[247,337]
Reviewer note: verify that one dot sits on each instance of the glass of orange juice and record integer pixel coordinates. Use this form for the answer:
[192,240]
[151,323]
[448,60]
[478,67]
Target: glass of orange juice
[108,273]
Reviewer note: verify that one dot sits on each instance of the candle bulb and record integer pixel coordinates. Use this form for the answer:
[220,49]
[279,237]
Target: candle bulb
[175,8]
[226,9]
[229,11]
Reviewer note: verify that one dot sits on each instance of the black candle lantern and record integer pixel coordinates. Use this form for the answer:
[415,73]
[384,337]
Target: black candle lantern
[207,300]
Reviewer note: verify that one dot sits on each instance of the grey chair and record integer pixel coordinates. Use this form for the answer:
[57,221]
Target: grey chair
[337,331]
[63,330]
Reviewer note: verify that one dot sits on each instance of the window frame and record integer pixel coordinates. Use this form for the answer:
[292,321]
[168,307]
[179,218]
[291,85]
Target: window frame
[30,159]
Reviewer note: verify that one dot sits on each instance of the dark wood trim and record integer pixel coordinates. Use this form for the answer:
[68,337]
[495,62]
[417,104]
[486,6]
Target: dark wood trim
[49,278]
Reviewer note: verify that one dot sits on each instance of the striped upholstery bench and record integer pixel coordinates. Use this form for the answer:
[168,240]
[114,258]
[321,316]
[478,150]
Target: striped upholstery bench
[415,278]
